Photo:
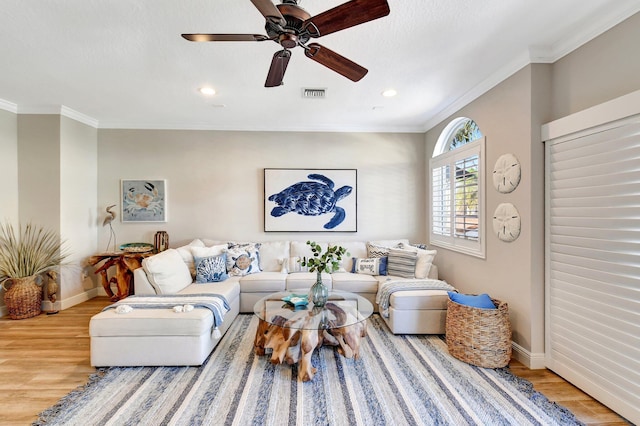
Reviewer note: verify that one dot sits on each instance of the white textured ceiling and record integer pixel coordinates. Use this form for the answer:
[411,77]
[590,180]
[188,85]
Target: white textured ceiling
[123,64]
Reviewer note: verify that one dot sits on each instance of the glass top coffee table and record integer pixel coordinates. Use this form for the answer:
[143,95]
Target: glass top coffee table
[293,329]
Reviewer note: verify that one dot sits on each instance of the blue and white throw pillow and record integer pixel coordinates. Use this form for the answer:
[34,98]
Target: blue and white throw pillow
[211,269]
[402,263]
[370,266]
[243,259]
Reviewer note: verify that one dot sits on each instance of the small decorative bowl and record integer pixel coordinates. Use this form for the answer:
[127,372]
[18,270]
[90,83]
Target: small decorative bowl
[136,247]
[296,300]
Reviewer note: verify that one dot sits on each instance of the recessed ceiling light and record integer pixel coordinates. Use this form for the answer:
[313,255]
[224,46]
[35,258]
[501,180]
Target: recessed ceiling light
[389,93]
[209,91]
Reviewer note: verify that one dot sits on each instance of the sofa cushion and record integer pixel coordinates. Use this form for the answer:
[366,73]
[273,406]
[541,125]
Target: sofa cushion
[151,322]
[264,282]
[302,249]
[197,251]
[402,263]
[419,300]
[272,254]
[390,243]
[243,259]
[424,260]
[374,250]
[304,280]
[211,269]
[167,272]
[187,255]
[229,288]
[369,265]
[355,283]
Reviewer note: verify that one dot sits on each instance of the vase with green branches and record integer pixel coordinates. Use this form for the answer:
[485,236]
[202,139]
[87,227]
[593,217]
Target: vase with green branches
[25,255]
[328,262]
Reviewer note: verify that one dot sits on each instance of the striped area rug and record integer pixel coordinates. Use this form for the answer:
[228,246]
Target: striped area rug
[399,380]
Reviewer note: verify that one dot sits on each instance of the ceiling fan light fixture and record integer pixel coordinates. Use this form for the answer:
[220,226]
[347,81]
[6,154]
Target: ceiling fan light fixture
[389,93]
[208,91]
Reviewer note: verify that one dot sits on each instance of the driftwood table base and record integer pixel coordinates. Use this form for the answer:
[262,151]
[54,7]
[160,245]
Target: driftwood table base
[294,340]
[124,264]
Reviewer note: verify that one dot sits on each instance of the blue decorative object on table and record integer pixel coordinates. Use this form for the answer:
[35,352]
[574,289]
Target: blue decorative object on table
[296,300]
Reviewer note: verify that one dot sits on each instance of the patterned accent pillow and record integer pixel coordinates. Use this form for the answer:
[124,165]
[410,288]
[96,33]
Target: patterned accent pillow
[211,269]
[402,263]
[420,246]
[370,266]
[243,259]
[374,250]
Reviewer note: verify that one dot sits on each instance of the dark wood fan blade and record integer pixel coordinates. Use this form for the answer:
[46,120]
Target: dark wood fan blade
[278,67]
[225,37]
[350,14]
[336,62]
[269,11]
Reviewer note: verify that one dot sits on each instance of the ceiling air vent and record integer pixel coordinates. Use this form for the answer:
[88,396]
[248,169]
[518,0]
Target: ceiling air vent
[314,93]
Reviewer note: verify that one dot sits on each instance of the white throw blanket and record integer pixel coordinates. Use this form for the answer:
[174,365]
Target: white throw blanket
[390,286]
[216,303]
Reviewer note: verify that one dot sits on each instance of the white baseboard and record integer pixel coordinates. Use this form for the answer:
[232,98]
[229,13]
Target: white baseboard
[534,361]
[77,299]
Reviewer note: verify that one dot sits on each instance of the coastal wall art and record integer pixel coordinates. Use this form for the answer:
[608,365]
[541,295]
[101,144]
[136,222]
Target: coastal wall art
[144,200]
[310,200]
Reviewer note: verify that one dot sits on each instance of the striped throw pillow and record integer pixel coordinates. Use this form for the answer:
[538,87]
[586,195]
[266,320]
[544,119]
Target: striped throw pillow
[402,263]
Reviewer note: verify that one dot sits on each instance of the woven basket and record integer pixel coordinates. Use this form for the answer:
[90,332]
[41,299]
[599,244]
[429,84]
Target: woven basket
[23,297]
[479,336]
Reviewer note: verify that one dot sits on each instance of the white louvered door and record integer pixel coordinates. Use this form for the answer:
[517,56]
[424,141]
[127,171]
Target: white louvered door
[593,261]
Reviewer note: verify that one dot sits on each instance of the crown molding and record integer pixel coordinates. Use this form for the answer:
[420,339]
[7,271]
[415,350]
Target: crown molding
[8,106]
[308,129]
[58,110]
[480,89]
[78,116]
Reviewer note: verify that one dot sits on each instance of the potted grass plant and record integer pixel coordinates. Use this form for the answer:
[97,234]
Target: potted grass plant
[24,256]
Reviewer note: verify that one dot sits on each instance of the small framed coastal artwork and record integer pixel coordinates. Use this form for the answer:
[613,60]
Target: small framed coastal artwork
[310,200]
[144,200]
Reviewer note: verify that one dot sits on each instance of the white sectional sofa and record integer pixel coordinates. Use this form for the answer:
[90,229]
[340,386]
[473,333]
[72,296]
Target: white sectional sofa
[151,337]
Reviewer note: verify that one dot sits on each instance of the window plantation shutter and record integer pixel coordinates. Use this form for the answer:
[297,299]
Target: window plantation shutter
[593,261]
[457,197]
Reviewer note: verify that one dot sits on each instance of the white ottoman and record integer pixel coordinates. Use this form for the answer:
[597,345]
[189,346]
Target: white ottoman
[155,337]
[417,312]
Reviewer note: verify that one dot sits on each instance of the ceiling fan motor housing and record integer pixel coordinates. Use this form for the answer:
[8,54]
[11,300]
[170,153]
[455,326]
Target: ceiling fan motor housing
[294,16]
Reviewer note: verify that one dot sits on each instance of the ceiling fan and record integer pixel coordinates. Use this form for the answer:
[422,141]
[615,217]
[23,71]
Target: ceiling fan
[290,25]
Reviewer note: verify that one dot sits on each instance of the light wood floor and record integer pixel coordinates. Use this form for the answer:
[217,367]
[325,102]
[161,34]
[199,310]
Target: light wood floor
[45,357]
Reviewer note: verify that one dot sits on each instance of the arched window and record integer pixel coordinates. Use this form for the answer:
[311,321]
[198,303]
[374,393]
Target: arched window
[458,132]
[457,188]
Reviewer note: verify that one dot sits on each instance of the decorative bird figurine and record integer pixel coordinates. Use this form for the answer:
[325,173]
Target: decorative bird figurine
[107,221]
[111,217]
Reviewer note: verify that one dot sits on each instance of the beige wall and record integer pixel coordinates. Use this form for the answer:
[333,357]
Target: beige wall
[508,272]
[9,166]
[215,180]
[78,206]
[510,116]
[57,181]
[603,69]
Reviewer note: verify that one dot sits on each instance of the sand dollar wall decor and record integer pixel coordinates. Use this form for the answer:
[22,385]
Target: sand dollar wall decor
[506,222]
[506,173]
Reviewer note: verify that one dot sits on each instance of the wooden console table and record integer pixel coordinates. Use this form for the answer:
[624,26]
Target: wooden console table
[125,263]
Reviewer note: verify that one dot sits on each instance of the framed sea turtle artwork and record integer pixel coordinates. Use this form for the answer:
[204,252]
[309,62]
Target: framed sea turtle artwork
[144,200]
[310,200]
